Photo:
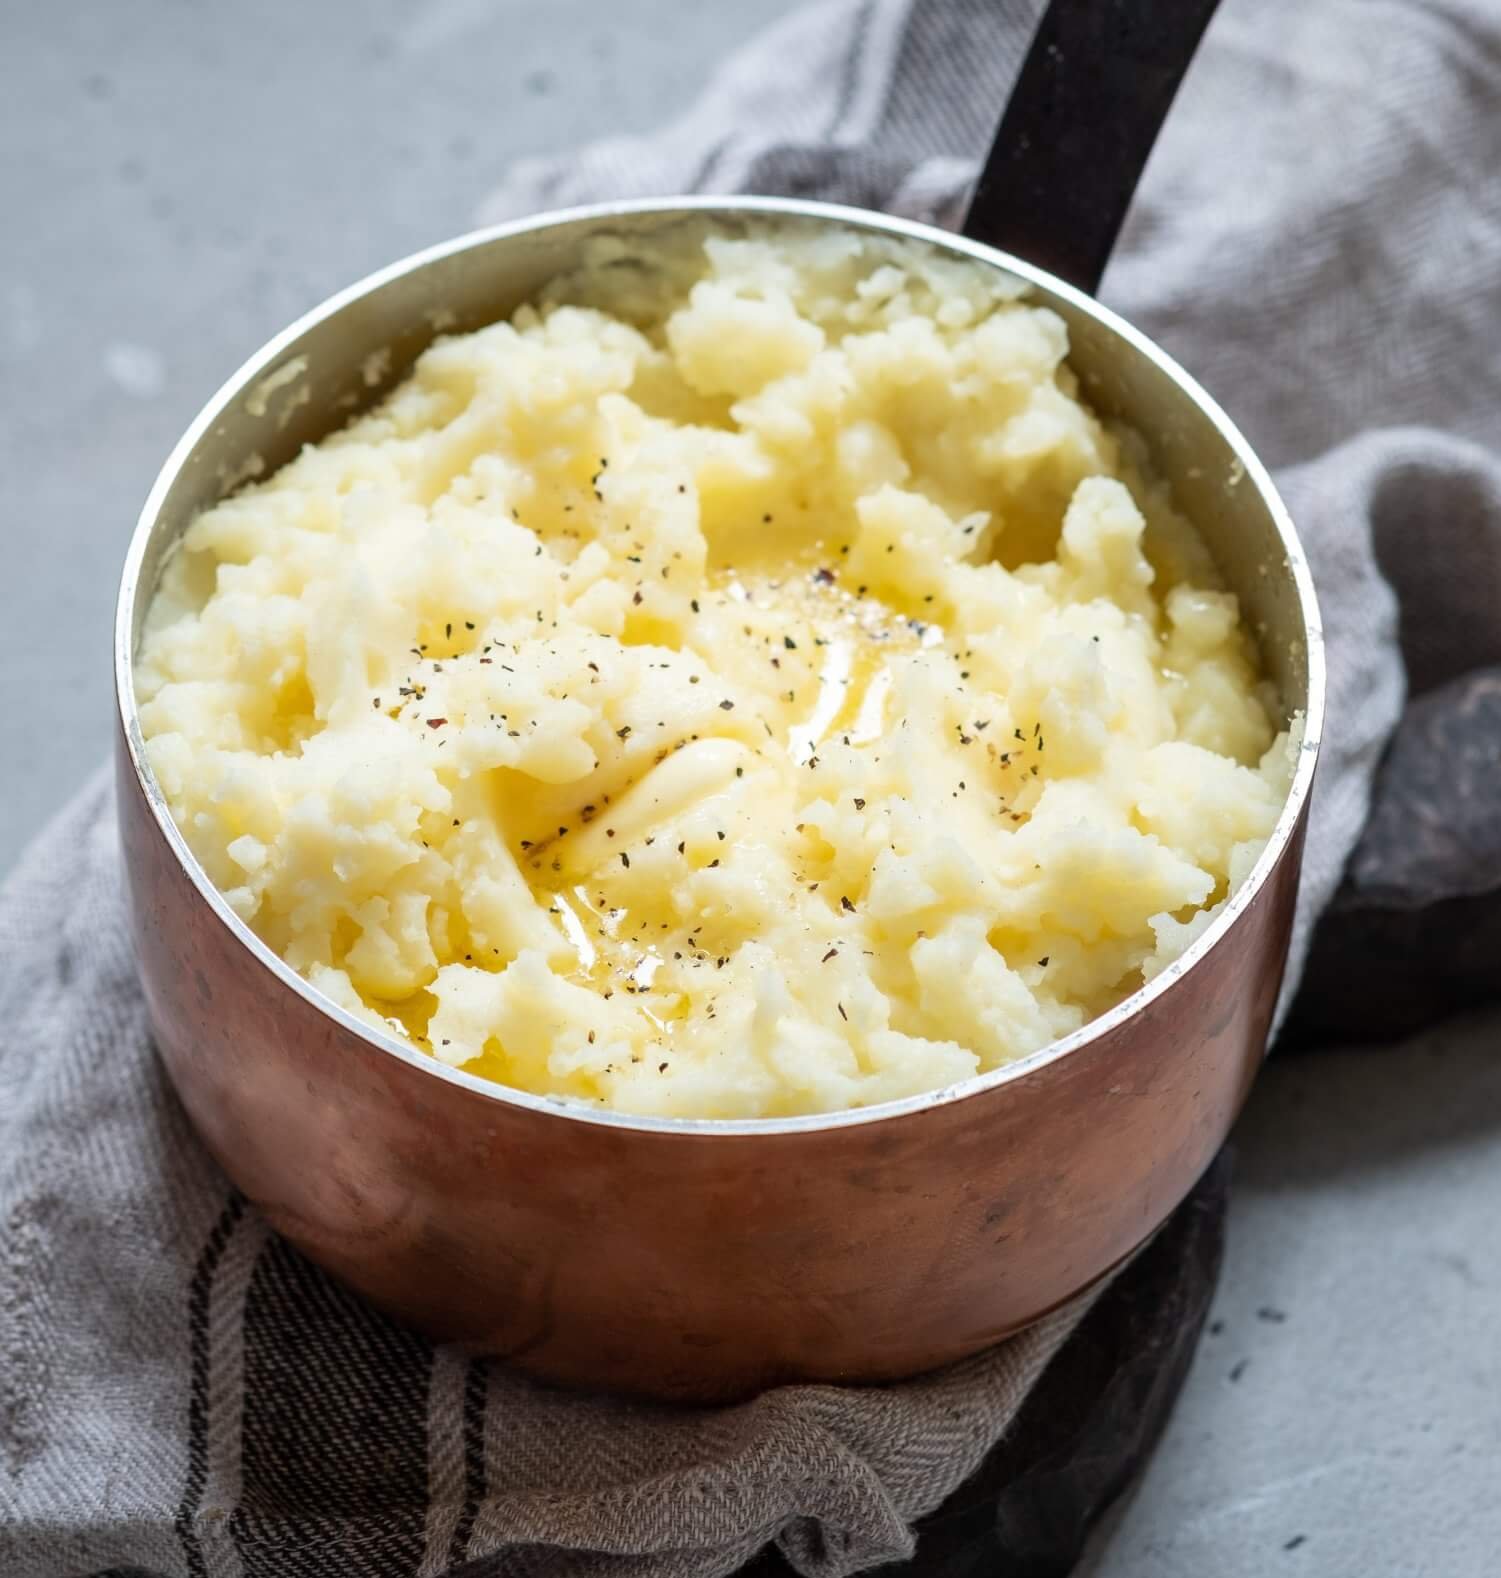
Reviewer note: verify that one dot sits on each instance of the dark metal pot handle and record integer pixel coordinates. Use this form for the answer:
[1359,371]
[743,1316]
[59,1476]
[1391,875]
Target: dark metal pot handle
[1091,97]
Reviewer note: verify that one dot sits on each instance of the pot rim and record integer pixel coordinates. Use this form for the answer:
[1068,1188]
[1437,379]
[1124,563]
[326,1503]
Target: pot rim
[257,365]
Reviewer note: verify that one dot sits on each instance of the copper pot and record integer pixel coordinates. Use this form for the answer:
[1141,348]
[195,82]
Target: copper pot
[698,1259]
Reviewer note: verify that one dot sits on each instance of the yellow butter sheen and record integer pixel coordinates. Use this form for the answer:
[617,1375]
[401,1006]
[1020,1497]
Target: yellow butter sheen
[766,689]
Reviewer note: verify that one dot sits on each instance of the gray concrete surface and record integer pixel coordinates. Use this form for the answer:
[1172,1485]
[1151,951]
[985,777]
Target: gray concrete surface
[177,181]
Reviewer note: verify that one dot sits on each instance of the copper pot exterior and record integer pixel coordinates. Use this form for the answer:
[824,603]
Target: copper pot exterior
[695,1260]
[693,1265]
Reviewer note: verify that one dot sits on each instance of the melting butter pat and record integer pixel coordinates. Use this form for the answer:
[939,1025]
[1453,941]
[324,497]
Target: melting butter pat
[748,686]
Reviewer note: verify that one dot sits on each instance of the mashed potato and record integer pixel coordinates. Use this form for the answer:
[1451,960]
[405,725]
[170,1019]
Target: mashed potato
[752,687]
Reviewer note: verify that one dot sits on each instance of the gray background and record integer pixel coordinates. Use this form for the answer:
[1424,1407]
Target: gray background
[178,181]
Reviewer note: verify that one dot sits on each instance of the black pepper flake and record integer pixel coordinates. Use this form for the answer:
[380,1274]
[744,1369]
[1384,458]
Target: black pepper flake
[591,1038]
[1043,961]
[1269,1312]
[981,724]
[859,803]
[789,643]
[469,624]
[1017,733]
[713,863]
[1239,1368]
[844,1016]
[636,597]
[845,905]
[824,577]
[375,702]
[526,843]
[625,860]
[833,953]
[1295,1542]
[448,632]
[681,845]
[727,706]
[720,835]
[436,723]
[624,732]
[693,604]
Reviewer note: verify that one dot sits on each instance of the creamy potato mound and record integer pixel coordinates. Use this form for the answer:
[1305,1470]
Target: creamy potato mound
[754,684]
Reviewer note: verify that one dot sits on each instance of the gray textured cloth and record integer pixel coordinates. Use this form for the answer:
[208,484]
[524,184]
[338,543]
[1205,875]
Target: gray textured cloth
[1318,238]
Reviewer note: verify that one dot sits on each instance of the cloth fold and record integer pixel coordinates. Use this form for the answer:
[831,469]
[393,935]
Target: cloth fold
[181,1393]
